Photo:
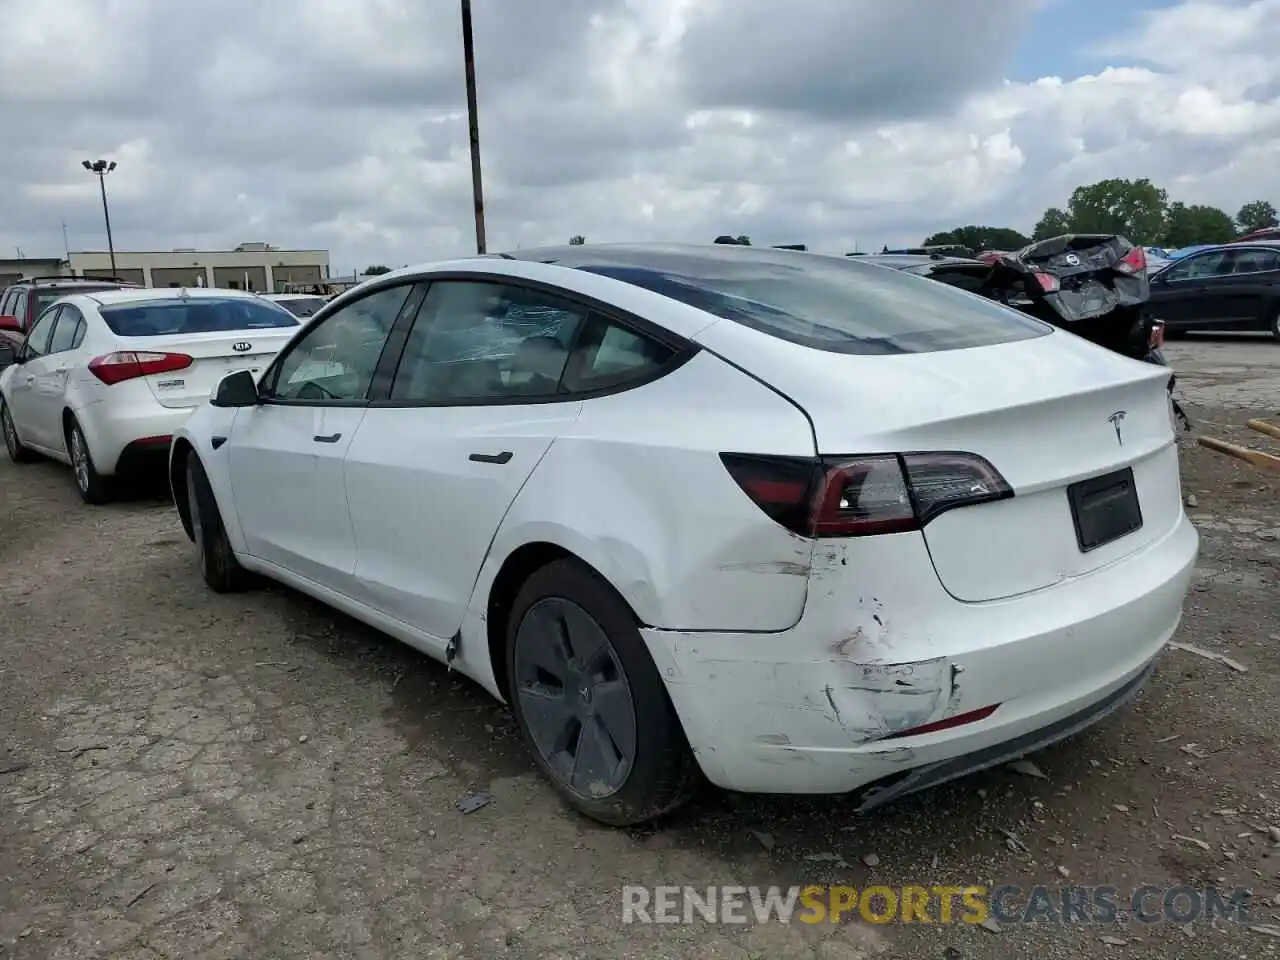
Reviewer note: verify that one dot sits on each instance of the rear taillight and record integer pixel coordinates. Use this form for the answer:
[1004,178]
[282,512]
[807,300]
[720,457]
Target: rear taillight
[1135,261]
[865,495]
[1048,282]
[129,364]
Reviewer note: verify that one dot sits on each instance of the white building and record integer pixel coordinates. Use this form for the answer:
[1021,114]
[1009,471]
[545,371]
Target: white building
[250,266]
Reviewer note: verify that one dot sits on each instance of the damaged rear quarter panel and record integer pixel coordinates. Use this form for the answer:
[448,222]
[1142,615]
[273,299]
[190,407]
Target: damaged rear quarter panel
[637,490]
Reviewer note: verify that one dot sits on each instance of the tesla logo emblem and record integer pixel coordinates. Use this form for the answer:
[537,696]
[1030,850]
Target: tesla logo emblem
[1115,420]
[241,346]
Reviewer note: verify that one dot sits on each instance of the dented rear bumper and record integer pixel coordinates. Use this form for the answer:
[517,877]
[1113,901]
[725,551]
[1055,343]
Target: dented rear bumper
[823,708]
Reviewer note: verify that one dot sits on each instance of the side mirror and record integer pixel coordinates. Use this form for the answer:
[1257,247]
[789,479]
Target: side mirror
[10,323]
[237,389]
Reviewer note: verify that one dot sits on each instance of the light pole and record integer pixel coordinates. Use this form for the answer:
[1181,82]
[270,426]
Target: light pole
[100,169]
[469,59]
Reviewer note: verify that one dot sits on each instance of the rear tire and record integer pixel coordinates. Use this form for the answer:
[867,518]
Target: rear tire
[94,488]
[218,564]
[18,452]
[589,701]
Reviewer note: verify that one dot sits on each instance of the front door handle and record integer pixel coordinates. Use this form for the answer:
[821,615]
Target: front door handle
[503,457]
[330,438]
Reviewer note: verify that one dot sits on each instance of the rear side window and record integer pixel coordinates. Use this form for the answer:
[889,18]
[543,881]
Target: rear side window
[833,304]
[1254,261]
[19,308]
[69,326]
[613,355]
[161,318]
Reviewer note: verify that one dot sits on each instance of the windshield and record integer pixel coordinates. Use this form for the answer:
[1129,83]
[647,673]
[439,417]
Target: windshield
[155,318]
[834,304]
[302,306]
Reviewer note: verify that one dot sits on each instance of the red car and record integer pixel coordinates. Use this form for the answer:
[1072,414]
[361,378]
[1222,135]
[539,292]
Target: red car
[1266,233]
[22,302]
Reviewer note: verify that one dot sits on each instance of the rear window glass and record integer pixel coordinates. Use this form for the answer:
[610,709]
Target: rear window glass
[834,304]
[155,318]
[46,295]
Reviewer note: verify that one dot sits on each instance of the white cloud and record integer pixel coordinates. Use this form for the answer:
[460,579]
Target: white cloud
[342,123]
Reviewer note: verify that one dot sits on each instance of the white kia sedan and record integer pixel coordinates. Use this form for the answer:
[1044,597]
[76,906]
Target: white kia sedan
[793,522]
[104,378]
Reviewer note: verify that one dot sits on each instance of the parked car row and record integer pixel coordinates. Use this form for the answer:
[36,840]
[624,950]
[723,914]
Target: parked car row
[103,376]
[785,522]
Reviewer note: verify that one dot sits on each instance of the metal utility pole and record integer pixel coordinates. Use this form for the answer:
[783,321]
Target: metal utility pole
[100,168]
[469,58]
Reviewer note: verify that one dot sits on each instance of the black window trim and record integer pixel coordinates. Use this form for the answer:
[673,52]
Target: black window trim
[594,311]
[415,290]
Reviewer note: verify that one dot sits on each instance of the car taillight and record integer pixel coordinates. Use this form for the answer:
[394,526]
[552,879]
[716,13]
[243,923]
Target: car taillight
[864,495]
[129,364]
[1155,340]
[1135,261]
[1048,282]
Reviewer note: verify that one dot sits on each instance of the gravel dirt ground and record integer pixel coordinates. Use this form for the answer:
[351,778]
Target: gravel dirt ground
[185,775]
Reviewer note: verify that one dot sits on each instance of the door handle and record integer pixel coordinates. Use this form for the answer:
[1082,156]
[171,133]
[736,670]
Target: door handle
[330,438]
[503,457]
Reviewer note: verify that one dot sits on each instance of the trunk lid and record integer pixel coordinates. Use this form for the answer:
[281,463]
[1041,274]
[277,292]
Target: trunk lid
[1047,412]
[213,355]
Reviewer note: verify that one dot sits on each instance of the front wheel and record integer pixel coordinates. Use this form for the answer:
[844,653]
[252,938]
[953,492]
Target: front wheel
[93,487]
[218,564]
[18,452]
[589,701]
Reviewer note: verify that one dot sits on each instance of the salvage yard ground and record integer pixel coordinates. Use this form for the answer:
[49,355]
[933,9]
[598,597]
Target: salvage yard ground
[185,775]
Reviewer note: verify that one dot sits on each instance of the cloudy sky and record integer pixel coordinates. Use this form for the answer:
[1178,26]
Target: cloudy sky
[840,123]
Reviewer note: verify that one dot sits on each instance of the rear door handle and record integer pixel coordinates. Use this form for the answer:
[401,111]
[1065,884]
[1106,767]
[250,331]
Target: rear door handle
[330,438]
[503,457]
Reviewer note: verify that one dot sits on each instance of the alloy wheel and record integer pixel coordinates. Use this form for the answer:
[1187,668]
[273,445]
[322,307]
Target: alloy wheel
[574,698]
[79,459]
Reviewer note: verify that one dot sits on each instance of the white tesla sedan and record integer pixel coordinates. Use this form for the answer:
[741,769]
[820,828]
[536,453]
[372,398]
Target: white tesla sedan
[104,378]
[301,305]
[801,524]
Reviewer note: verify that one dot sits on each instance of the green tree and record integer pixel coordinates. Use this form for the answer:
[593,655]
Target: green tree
[978,239]
[1256,216]
[577,240]
[376,270]
[1054,223]
[1133,208]
[1185,225]
[744,240]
